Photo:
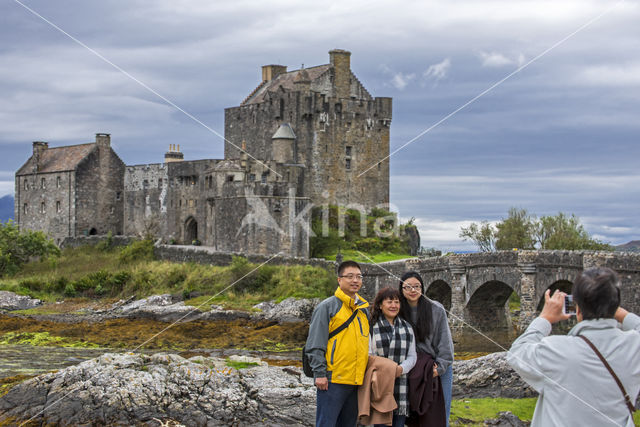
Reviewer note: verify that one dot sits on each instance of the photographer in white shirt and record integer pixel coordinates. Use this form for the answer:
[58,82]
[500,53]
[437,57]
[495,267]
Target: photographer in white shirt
[575,387]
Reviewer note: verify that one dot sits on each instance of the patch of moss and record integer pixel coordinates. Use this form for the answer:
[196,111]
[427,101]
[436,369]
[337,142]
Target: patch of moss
[241,365]
[475,411]
[41,339]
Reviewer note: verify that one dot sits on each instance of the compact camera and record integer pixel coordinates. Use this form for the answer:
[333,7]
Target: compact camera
[569,305]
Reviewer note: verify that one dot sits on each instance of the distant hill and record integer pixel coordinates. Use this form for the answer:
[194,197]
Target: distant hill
[632,246]
[6,208]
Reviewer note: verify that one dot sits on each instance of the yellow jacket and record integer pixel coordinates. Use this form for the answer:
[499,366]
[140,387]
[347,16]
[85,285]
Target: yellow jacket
[343,359]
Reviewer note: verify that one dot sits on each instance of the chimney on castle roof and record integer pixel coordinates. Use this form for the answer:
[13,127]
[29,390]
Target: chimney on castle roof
[103,139]
[270,72]
[39,147]
[341,62]
[173,155]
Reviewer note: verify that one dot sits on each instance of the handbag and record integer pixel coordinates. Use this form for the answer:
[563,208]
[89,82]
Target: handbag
[627,400]
[306,367]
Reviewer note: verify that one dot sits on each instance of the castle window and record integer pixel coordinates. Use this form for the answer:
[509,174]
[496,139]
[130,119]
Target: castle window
[58,182]
[263,179]
[281,108]
[229,178]
[252,177]
[113,209]
[25,208]
[191,203]
[338,108]
[145,183]
[42,208]
[58,208]
[348,150]
[180,204]
[348,164]
[118,195]
[26,184]
[159,182]
[43,183]
[193,180]
[379,165]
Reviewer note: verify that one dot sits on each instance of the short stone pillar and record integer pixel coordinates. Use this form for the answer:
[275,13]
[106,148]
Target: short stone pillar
[458,298]
[528,300]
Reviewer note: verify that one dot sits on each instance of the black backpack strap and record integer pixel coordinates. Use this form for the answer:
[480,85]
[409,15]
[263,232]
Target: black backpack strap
[627,400]
[344,326]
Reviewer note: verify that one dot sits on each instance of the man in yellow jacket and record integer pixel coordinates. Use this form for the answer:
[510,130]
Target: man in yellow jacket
[339,363]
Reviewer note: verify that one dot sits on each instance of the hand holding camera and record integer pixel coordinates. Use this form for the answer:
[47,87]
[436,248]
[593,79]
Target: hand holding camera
[554,307]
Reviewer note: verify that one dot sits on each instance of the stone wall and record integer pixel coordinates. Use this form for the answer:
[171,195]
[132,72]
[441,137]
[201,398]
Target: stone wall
[79,241]
[45,202]
[145,199]
[202,255]
[99,192]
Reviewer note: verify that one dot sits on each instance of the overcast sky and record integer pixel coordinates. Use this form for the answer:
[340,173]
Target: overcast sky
[559,135]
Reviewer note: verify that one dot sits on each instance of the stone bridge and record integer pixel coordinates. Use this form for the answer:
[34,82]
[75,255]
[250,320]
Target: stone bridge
[475,288]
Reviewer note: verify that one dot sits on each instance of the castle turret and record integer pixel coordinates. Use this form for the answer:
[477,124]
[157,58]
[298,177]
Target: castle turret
[341,62]
[283,144]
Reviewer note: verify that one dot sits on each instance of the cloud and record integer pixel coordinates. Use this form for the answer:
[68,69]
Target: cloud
[611,75]
[438,71]
[400,80]
[498,60]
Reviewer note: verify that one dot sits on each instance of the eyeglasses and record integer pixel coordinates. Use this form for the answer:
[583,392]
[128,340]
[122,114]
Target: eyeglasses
[352,276]
[412,288]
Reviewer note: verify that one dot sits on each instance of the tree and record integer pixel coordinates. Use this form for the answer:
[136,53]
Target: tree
[516,231]
[17,247]
[482,235]
[565,232]
[523,231]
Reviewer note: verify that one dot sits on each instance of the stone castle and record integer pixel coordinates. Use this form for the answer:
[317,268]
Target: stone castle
[301,138]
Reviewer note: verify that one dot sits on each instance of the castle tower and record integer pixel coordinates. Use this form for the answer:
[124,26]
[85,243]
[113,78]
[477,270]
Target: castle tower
[283,141]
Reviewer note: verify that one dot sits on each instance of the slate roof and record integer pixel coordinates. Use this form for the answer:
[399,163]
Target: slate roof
[286,80]
[284,132]
[58,159]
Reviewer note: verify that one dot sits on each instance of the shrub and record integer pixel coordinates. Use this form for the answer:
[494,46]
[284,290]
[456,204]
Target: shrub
[18,246]
[70,290]
[138,250]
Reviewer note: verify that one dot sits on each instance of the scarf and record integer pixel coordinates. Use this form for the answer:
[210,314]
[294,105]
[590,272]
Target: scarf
[393,343]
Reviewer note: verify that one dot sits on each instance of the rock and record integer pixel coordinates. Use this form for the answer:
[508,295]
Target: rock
[158,307]
[10,301]
[507,419]
[488,376]
[288,310]
[135,389]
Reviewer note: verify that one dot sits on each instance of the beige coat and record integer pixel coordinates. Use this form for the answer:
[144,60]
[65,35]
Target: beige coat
[375,395]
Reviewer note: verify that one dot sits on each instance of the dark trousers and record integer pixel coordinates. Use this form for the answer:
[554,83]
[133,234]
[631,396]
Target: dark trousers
[337,406]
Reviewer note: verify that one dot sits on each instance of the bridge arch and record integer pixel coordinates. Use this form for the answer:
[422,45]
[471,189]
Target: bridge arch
[440,291]
[487,309]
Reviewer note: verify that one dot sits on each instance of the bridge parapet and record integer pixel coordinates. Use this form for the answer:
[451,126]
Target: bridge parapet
[479,284]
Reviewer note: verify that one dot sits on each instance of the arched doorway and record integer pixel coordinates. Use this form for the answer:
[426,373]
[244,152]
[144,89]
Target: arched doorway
[190,230]
[93,232]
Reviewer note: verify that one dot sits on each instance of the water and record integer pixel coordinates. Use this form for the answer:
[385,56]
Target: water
[34,360]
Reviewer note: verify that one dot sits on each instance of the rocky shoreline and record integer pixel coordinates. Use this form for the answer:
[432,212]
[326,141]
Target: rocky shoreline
[138,389]
[167,389]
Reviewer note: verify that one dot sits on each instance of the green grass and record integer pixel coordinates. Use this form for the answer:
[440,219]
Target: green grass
[354,255]
[97,274]
[479,410]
